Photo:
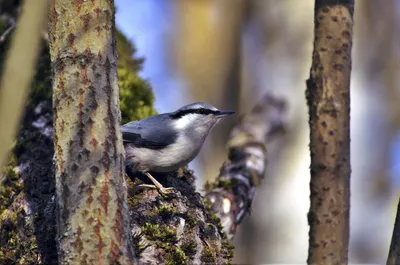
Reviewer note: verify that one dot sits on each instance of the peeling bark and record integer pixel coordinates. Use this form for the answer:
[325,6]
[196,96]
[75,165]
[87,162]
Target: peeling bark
[394,251]
[92,216]
[233,191]
[328,97]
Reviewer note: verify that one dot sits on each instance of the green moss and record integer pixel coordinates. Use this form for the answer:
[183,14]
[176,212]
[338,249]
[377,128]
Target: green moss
[163,233]
[175,257]
[10,183]
[17,249]
[189,247]
[208,186]
[134,200]
[139,247]
[209,255]
[164,237]
[215,218]
[166,211]
[226,184]
[228,249]
[189,219]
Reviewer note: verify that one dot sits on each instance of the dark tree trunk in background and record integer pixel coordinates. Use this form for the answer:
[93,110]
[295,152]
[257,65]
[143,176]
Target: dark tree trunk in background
[328,97]
[394,251]
[92,216]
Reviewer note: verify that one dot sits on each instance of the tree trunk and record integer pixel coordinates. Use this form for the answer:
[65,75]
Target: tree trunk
[328,96]
[92,216]
[394,251]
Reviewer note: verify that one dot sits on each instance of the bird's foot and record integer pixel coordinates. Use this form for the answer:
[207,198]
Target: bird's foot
[161,189]
[166,191]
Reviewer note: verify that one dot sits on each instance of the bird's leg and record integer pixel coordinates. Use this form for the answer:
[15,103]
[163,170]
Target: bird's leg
[156,185]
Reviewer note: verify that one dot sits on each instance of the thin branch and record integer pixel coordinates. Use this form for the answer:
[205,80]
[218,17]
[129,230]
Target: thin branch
[5,34]
[232,193]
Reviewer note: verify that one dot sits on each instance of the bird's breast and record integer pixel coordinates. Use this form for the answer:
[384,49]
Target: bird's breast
[170,158]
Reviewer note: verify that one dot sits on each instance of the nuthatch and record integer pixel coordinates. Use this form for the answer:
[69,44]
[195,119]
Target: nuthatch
[168,141]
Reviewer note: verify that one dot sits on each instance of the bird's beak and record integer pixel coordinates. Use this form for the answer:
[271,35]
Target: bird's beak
[223,113]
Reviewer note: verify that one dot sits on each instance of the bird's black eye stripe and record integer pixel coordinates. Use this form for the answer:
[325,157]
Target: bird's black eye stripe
[202,111]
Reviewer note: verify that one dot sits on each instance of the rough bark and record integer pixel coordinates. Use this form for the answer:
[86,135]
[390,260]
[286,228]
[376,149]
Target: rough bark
[19,71]
[394,251]
[232,194]
[328,96]
[92,216]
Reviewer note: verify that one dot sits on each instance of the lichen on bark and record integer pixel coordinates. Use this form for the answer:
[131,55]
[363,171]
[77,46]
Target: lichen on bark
[328,98]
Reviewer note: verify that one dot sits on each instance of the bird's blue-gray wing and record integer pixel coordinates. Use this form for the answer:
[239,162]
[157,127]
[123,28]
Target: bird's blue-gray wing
[153,133]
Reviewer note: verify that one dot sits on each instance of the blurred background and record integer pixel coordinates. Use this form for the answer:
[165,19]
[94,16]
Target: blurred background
[231,52]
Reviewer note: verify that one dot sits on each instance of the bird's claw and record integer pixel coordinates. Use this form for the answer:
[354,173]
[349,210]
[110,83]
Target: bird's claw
[166,191]
[161,189]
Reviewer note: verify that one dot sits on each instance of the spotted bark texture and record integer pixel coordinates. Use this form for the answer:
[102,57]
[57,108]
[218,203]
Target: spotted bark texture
[232,193]
[92,216]
[328,98]
[394,251]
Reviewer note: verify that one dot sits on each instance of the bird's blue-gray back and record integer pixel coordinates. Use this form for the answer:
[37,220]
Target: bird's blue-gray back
[142,133]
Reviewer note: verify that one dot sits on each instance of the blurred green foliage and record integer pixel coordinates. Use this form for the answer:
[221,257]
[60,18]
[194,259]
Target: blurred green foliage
[136,97]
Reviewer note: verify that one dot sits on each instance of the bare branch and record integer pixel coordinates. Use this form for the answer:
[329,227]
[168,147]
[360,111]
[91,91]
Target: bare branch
[233,191]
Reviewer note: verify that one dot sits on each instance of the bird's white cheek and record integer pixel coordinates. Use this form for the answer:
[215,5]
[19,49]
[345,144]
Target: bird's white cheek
[183,122]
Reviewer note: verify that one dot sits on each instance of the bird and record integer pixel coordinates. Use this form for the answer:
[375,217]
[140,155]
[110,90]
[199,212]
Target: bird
[168,141]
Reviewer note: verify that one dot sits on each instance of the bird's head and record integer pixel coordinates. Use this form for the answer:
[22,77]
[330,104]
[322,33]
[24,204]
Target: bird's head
[199,117]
